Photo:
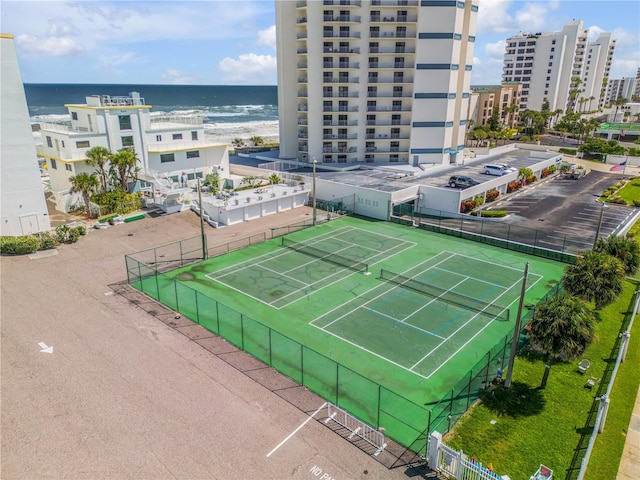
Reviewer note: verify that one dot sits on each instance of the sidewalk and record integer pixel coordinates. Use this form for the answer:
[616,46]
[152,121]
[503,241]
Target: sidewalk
[630,462]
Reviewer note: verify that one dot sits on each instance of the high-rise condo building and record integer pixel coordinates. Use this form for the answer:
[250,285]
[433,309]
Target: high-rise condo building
[620,88]
[562,68]
[23,208]
[374,81]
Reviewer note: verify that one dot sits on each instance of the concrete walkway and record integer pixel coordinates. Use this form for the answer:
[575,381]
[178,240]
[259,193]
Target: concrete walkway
[630,461]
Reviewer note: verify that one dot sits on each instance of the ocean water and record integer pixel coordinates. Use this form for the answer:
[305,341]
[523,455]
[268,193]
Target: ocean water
[230,111]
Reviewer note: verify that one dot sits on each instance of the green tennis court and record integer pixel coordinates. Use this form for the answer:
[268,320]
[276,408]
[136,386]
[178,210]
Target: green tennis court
[407,310]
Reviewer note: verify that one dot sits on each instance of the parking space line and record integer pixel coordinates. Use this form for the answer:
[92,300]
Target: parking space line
[296,430]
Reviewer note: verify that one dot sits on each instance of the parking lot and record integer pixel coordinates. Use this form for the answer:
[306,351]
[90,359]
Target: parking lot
[566,212]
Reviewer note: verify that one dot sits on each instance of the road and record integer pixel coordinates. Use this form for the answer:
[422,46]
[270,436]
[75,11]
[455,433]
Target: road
[123,394]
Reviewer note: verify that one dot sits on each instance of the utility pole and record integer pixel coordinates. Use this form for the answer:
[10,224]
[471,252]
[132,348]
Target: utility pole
[516,331]
[314,192]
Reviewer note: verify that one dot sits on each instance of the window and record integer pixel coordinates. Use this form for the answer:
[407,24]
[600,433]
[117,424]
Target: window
[67,166]
[74,115]
[194,135]
[167,157]
[62,143]
[553,49]
[193,154]
[54,165]
[177,136]
[127,141]
[49,142]
[125,122]
[82,144]
[158,138]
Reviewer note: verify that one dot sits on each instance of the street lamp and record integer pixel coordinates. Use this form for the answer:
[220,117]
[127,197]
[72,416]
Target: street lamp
[595,240]
[314,191]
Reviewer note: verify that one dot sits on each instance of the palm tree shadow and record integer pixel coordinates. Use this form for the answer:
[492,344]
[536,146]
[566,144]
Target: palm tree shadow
[520,400]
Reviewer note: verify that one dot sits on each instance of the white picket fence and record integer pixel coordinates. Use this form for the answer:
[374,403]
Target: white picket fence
[455,464]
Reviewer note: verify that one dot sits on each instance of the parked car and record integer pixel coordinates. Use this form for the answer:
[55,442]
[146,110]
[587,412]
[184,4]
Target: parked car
[508,168]
[459,181]
[497,169]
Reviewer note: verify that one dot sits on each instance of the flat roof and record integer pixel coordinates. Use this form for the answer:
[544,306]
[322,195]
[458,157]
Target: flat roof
[394,177]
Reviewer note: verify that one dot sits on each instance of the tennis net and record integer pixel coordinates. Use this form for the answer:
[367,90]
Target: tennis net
[489,309]
[325,255]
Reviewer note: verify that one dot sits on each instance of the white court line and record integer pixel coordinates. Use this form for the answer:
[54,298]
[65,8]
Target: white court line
[376,312]
[270,255]
[474,336]
[471,278]
[296,430]
[387,254]
[368,301]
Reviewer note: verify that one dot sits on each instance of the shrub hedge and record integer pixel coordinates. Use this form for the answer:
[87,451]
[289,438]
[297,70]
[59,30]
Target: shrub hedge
[25,244]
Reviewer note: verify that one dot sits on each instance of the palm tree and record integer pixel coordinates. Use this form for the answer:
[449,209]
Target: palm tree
[274,179]
[596,276]
[257,141]
[86,184]
[556,115]
[99,157]
[618,103]
[561,328]
[523,174]
[625,249]
[237,142]
[591,98]
[480,135]
[123,167]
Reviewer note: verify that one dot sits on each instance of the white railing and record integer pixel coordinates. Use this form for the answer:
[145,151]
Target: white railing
[356,427]
[455,464]
[179,119]
[60,127]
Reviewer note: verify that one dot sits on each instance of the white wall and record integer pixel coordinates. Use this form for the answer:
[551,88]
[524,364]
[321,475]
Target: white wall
[22,204]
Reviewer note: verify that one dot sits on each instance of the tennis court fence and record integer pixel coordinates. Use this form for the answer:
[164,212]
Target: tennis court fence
[405,421]
[488,231]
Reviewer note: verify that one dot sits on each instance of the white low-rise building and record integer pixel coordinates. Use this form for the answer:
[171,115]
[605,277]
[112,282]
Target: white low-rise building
[171,149]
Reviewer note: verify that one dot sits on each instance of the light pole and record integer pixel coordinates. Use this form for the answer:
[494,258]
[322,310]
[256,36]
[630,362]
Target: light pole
[595,240]
[314,191]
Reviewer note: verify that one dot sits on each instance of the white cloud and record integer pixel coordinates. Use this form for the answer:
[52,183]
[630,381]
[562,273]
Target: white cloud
[493,17]
[495,50]
[53,46]
[177,77]
[116,59]
[250,69]
[534,16]
[268,37]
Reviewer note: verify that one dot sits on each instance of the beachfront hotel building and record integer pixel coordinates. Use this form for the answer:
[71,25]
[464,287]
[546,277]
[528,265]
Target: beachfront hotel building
[620,88]
[379,81]
[552,65]
[172,149]
[505,97]
[23,208]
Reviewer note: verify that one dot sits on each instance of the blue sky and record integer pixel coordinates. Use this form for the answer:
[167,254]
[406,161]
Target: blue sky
[233,41]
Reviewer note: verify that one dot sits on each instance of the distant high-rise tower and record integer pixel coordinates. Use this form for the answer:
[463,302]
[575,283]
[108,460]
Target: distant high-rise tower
[560,68]
[23,208]
[620,88]
[374,81]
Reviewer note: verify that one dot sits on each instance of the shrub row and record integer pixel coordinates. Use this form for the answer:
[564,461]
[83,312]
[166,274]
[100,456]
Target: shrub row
[569,151]
[118,202]
[25,244]
[491,213]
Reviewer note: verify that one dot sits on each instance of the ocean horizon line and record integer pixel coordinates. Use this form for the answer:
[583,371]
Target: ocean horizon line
[151,84]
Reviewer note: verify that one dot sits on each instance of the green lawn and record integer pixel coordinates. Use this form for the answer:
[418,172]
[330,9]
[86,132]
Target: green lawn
[534,426]
[631,191]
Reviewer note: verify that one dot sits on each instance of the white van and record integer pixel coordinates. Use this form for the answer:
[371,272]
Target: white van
[497,169]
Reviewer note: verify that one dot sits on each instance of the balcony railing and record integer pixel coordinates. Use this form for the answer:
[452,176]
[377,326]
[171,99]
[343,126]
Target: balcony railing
[342,18]
[341,50]
[60,127]
[327,94]
[340,80]
[339,109]
[342,3]
[330,34]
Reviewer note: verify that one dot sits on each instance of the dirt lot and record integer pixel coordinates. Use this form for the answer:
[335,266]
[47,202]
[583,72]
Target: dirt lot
[124,395]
